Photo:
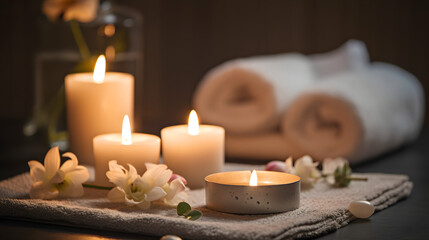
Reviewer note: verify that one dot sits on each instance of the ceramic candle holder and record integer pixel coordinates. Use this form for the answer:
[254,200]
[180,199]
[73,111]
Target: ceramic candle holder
[230,192]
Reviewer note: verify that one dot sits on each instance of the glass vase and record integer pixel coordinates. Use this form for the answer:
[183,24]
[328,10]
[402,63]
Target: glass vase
[69,47]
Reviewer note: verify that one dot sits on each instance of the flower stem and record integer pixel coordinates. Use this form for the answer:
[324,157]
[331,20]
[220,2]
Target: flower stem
[357,178]
[80,41]
[96,187]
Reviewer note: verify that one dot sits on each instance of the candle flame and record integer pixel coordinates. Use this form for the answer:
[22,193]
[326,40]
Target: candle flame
[126,131]
[99,70]
[253,179]
[193,125]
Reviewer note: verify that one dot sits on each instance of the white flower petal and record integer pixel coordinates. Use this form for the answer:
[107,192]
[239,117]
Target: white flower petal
[70,189]
[132,170]
[149,165]
[155,194]
[154,172]
[330,165]
[116,195]
[330,179]
[163,178]
[131,201]
[115,167]
[41,190]
[79,175]
[37,171]
[118,178]
[306,169]
[71,164]
[180,197]
[174,187]
[52,162]
[177,176]
[315,173]
[57,178]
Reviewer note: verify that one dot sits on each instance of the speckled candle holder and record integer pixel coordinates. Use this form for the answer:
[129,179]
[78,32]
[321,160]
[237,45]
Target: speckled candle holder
[230,192]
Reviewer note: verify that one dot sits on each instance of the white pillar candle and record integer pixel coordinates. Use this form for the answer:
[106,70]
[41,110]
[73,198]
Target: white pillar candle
[193,151]
[96,105]
[129,148]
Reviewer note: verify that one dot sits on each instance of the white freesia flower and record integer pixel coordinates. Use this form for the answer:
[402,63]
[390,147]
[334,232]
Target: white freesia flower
[329,167]
[51,180]
[305,168]
[134,189]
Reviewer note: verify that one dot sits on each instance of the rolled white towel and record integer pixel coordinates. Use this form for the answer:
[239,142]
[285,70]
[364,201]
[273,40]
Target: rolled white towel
[357,115]
[247,95]
[351,56]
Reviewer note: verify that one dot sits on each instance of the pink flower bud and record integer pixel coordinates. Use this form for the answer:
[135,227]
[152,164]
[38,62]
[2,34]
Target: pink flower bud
[177,176]
[277,166]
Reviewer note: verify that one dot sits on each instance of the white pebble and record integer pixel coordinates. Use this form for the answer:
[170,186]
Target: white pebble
[361,209]
[170,237]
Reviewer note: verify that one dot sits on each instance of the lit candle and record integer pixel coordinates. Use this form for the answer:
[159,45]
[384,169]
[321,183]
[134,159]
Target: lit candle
[193,150]
[96,103]
[259,192]
[127,148]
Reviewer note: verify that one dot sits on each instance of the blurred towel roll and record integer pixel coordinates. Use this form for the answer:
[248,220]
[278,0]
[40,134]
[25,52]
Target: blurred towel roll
[326,105]
[247,96]
[357,115]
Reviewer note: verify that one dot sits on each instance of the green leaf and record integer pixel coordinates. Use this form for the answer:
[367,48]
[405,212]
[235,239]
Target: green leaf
[194,215]
[342,176]
[183,208]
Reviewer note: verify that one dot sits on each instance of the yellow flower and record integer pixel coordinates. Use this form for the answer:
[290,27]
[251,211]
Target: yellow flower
[80,10]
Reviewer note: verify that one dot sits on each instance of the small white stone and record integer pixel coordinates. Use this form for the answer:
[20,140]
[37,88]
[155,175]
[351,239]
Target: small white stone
[361,209]
[170,237]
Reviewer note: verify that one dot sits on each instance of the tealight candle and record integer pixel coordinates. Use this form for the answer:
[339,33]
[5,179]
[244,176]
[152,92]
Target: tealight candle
[127,148]
[193,151]
[259,192]
[96,103]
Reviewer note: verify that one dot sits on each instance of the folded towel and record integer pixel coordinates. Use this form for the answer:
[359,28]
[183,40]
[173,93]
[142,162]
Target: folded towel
[322,209]
[248,95]
[357,115]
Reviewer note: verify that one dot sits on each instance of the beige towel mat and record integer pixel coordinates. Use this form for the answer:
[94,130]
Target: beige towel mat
[323,209]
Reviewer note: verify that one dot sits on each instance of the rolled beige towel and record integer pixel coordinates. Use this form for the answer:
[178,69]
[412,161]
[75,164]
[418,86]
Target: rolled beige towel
[247,96]
[357,115]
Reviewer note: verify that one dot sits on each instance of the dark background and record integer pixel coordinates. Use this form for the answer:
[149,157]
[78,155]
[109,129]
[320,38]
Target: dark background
[184,39]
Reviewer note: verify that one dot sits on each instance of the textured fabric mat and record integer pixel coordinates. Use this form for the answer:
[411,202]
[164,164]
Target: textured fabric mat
[322,209]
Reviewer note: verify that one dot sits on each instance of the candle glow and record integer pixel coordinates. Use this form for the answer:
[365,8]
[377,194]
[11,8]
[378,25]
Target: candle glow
[126,131]
[253,179]
[193,125]
[99,70]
